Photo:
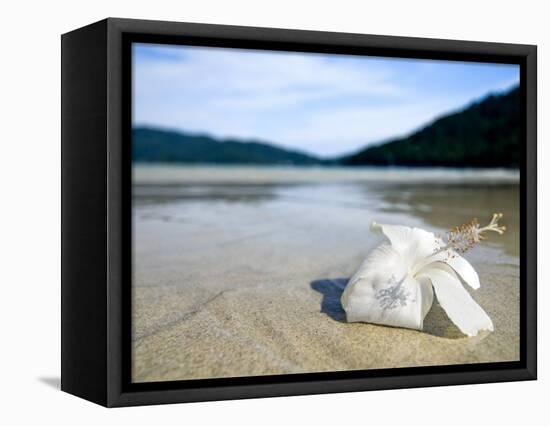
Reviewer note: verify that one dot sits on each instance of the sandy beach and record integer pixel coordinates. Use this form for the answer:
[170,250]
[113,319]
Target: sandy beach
[239,271]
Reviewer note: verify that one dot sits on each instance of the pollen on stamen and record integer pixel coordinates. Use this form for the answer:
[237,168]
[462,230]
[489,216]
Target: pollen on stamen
[462,238]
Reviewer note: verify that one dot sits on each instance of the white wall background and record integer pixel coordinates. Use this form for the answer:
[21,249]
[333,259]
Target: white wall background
[30,229]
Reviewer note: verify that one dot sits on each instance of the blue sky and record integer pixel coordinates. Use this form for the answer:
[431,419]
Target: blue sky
[319,103]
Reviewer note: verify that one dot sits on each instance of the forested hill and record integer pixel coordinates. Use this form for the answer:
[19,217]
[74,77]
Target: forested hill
[485,134]
[154,145]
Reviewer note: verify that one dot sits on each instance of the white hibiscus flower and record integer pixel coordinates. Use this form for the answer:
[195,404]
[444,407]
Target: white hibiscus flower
[394,285]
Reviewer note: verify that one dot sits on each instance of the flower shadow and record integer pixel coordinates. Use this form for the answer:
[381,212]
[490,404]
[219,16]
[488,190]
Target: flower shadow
[436,323]
[332,290]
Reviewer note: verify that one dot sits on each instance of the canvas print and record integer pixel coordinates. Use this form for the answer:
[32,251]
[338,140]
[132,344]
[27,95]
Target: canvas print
[298,212]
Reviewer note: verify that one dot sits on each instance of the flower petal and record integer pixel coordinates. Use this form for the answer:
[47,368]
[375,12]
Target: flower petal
[380,260]
[463,268]
[450,257]
[427,295]
[414,244]
[468,316]
[382,292]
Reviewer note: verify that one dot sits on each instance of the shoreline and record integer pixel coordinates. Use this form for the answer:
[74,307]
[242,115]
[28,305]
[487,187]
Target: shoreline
[155,174]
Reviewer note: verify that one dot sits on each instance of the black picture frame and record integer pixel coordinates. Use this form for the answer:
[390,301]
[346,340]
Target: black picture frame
[96,212]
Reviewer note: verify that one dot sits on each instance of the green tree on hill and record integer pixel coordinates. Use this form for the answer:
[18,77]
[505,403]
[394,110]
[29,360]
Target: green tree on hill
[485,134]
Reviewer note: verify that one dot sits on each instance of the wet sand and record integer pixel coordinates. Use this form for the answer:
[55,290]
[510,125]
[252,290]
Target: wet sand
[243,276]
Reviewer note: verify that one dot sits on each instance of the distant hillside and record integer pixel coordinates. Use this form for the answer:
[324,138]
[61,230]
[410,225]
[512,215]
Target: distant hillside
[154,145]
[485,134]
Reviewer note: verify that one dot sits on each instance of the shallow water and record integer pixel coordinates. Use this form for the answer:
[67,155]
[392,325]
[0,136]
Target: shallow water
[214,244]
[439,198]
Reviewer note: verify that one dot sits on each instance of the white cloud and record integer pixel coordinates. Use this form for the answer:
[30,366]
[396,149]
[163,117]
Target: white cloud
[319,103]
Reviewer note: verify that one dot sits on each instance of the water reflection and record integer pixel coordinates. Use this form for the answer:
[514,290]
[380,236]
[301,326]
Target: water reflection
[230,193]
[440,204]
[444,206]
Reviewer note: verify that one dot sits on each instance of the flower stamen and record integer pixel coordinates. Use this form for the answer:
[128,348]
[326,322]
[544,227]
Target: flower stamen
[462,238]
